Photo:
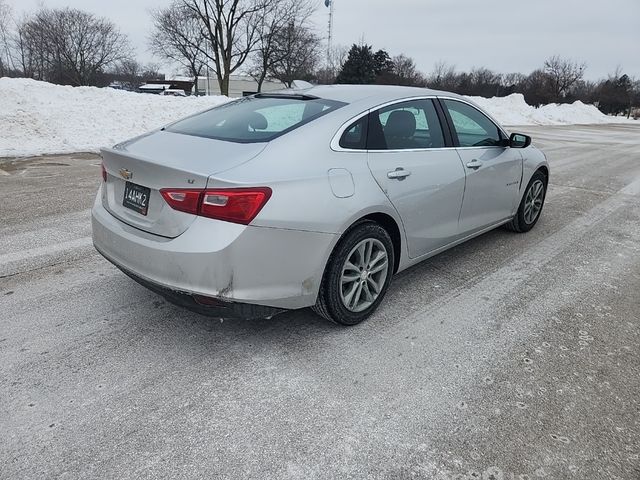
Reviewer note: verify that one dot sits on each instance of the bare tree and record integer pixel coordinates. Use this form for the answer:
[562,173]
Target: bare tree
[337,56]
[484,76]
[443,77]
[297,50]
[28,49]
[130,74]
[178,36]
[151,71]
[69,46]
[129,71]
[512,83]
[635,100]
[484,82]
[537,88]
[512,79]
[5,19]
[231,31]
[406,71]
[563,74]
[268,25]
[271,27]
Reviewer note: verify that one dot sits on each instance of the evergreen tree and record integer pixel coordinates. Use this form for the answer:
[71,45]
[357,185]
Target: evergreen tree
[360,67]
[383,63]
[615,95]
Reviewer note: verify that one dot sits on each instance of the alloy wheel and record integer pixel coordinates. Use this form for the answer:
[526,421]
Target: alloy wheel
[364,274]
[533,201]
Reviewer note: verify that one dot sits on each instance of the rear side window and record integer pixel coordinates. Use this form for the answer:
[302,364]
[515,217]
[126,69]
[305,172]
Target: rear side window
[403,126]
[355,137]
[474,129]
[255,119]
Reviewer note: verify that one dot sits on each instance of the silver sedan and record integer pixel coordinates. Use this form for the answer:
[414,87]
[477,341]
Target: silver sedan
[310,198]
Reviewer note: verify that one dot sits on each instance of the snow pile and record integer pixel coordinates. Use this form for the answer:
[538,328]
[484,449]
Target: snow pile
[38,117]
[513,110]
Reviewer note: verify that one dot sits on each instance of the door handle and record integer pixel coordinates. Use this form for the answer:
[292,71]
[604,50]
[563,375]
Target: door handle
[474,164]
[399,174]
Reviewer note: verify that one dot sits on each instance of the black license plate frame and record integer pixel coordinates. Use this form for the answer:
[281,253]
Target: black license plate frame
[136,198]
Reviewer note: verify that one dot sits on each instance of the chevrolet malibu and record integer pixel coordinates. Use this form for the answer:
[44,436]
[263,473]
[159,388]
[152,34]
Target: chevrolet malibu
[310,198]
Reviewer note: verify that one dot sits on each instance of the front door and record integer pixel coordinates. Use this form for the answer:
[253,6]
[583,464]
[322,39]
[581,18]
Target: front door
[493,171]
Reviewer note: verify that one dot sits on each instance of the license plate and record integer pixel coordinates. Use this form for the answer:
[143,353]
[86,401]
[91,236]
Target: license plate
[136,197]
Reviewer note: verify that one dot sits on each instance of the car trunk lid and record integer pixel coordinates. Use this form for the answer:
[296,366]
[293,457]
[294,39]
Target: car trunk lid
[145,165]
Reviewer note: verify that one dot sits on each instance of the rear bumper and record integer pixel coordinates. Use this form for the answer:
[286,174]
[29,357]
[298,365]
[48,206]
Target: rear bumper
[241,264]
[219,309]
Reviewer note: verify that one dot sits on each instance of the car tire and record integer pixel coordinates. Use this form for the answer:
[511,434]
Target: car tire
[357,275]
[530,207]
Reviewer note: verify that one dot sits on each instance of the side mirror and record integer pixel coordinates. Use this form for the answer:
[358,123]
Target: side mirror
[519,140]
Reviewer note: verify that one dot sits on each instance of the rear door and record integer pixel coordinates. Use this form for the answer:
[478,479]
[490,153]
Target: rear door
[423,179]
[493,171]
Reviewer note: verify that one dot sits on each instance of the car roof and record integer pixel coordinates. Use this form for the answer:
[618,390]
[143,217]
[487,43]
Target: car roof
[370,96]
[356,93]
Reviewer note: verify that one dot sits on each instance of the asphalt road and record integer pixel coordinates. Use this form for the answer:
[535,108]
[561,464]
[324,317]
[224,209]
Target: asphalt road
[511,356]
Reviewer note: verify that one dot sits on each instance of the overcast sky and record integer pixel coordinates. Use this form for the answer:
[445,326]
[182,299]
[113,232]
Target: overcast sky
[503,35]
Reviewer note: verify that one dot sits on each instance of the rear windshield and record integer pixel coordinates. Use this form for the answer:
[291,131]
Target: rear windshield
[255,119]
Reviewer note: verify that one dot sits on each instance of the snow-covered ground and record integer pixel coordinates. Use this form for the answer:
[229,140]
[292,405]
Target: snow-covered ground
[513,110]
[38,117]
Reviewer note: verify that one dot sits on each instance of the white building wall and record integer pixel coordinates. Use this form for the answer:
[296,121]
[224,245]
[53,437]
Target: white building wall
[238,85]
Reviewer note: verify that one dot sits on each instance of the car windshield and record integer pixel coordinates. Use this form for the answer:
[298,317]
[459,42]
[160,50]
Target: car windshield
[259,118]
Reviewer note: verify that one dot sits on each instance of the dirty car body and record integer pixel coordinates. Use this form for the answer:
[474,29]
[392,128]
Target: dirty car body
[236,211]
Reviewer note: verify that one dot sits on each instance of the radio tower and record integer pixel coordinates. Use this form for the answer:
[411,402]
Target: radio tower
[329,4]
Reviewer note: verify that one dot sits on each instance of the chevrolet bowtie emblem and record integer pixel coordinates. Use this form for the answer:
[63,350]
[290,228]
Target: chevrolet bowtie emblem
[126,174]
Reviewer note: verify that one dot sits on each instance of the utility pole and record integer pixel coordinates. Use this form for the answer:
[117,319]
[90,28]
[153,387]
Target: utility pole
[206,56]
[329,4]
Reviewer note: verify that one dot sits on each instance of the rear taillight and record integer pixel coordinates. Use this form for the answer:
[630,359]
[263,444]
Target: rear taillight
[184,200]
[238,205]
[104,172]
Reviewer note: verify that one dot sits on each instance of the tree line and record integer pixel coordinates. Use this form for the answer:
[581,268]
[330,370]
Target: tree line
[558,80]
[264,38]
[267,39]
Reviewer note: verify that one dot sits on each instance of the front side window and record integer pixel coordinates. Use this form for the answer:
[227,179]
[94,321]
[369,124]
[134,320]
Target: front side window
[255,119]
[474,129]
[403,126]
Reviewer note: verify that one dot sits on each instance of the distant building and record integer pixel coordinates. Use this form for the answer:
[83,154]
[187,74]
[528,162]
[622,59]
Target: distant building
[184,84]
[239,86]
[154,87]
